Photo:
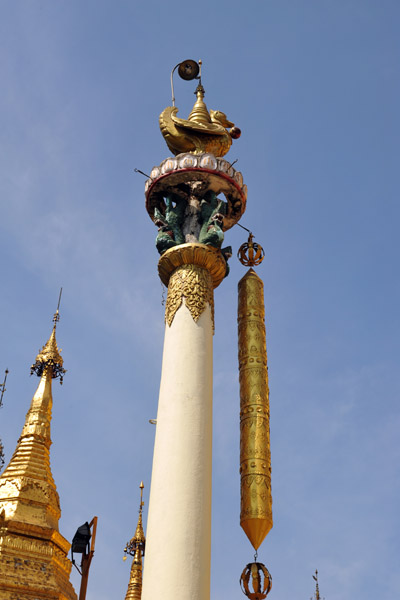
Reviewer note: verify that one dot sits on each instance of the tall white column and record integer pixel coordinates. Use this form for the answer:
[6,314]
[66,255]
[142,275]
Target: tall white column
[177,561]
[178,547]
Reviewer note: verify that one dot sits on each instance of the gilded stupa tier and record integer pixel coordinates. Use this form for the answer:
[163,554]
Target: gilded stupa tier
[34,562]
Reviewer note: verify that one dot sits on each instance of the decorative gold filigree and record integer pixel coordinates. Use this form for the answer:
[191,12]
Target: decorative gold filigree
[49,357]
[255,457]
[193,284]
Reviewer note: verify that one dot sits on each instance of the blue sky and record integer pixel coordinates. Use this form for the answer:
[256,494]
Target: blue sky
[314,87]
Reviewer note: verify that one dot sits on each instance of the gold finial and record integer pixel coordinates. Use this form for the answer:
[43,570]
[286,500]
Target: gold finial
[141,496]
[49,356]
[138,540]
[199,113]
[136,547]
[56,316]
[317,594]
[251,254]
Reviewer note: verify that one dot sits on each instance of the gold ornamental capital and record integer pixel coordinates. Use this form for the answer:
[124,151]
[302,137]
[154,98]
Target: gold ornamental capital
[206,257]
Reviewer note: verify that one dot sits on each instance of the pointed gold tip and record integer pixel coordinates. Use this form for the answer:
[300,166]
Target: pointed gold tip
[199,113]
[141,485]
[256,530]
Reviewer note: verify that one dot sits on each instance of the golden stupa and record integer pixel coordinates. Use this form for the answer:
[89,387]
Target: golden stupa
[34,561]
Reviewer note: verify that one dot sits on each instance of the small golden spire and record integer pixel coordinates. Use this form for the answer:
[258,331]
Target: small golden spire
[200,112]
[49,357]
[136,547]
[317,594]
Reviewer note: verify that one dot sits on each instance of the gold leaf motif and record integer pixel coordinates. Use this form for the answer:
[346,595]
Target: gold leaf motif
[193,284]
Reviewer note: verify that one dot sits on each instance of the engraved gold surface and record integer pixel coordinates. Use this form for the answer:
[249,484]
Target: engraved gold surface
[193,285]
[255,456]
[134,591]
[193,254]
[33,554]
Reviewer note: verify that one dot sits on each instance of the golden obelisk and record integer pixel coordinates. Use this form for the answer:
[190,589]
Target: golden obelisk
[33,554]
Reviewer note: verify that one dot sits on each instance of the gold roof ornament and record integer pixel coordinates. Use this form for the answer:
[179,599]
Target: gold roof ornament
[203,131]
[136,547]
[49,356]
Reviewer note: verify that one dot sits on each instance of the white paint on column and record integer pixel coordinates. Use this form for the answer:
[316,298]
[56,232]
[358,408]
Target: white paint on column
[178,537]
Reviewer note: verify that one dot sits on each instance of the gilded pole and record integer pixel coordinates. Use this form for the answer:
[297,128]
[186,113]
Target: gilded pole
[255,455]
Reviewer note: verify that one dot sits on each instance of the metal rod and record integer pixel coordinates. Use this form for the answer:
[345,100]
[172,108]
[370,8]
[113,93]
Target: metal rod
[3,387]
[243,227]
[56,317]
[141,172]
[172,83]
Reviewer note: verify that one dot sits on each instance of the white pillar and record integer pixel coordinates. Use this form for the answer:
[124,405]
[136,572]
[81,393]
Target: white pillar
[178,551]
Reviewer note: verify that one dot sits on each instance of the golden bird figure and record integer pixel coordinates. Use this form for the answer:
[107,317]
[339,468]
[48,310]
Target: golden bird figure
[203,131]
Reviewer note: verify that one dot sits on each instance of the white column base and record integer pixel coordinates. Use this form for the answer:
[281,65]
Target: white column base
[178,547]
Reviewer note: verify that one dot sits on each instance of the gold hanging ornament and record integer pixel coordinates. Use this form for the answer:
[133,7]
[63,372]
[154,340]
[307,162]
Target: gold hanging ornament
[261,581]
[255,456]
[251,254]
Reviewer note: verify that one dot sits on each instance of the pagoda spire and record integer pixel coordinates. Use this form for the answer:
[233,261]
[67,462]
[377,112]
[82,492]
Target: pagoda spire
[135,547]
[31,459]
[34,553]
[317,595]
